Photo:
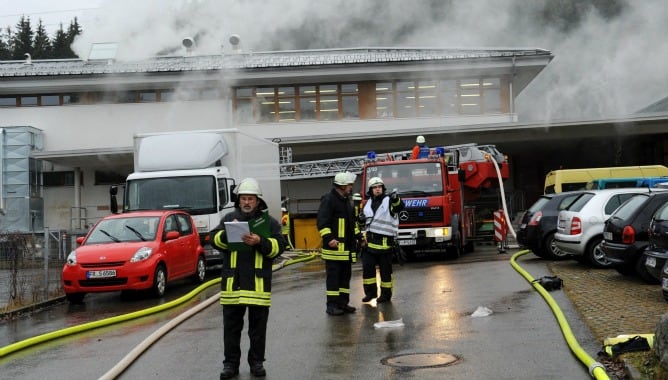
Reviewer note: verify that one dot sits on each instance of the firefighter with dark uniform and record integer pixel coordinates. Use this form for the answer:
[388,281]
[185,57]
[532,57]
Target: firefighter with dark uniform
[382,224]
[339,231]
[246,279]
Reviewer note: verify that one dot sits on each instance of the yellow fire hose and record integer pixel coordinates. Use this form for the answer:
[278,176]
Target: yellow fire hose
[596,369]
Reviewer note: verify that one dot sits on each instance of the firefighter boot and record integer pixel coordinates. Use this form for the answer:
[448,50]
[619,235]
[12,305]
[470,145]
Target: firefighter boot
[370,292]
[229,371]
[257,369]
[385,295]
[334,309]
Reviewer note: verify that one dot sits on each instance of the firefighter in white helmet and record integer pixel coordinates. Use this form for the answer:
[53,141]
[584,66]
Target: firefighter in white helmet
[382,225]
[420,150]
[246,277]
[340,233]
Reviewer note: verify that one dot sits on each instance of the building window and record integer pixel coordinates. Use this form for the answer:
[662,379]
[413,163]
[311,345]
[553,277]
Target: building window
[406,99]
[148,96]
[384,100]
[426,94]
[447,97]
[243,105]
[71,99]
[50,100]
[64,178]
[328,102]
[350,108]
[109,178]
[28,101]
[307,100]
[8,101]
[491,95]
[266,100]
[287,110]
[470,97]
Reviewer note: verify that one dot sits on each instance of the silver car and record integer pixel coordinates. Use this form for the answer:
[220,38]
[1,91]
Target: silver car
[580,226]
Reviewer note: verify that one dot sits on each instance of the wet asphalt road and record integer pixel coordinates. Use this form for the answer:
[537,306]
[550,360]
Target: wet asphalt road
[435,300]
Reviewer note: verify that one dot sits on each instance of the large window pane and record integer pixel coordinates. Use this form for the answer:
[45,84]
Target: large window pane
[384,100]
[426,98]
[50,100]
[244,111]
[28,101]
[448,97]
[406,102]
[329,107]
[491,88]
[307,100]
[287,110]
[266,103]
[469,94]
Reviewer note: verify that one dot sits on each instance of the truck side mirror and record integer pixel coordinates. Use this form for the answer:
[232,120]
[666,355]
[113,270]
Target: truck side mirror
[233,195]
[113,201]
[461,175]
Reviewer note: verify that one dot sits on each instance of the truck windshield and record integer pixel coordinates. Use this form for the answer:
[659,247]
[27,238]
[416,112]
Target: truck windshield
[196,194]
[415,179]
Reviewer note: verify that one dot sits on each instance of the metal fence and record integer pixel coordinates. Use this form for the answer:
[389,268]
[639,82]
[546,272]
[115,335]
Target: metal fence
[31,266]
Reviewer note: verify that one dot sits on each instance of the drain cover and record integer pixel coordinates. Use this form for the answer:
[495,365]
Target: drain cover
[438,359]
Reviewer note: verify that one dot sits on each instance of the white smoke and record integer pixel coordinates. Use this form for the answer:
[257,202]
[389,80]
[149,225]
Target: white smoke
[604,66]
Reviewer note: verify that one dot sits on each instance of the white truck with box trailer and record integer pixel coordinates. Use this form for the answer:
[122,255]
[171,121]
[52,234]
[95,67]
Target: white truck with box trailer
[197,171]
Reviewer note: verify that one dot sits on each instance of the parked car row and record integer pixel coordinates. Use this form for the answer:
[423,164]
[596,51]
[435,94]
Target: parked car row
[625,229]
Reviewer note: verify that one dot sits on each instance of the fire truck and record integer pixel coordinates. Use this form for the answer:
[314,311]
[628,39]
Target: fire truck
[436,190]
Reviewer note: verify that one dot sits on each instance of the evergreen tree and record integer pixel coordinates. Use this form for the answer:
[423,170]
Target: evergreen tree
[61,45]
[41,45]
[22,39]
[5,44]
[72,31]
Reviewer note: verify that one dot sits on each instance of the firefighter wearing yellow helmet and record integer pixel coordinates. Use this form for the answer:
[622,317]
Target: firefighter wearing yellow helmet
[339,231]
[382,225]
[246,277]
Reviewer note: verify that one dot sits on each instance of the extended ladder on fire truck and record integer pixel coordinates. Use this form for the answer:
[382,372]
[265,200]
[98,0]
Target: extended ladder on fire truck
[329,167]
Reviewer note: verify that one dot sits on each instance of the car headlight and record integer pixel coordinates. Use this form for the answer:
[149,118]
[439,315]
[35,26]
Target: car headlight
[142,253]
[72,258]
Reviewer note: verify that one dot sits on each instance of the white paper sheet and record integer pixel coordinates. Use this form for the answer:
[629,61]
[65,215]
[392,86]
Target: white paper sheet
[235,230]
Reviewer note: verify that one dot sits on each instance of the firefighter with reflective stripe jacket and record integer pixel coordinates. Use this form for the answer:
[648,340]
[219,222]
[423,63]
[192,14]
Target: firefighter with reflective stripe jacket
[246,279]
[382,224]
[339,231]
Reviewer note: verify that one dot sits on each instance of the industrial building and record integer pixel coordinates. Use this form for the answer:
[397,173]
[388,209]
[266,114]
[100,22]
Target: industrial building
[68,125]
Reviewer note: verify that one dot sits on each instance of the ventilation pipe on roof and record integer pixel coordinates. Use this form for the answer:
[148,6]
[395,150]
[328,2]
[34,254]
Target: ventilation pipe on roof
[235,40]
[28,58]
[189,44]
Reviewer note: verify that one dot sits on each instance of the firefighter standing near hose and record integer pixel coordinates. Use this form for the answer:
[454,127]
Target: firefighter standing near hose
[382,224]
[339,231]
[246,278]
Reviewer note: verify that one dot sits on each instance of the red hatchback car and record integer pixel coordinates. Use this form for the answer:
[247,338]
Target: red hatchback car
[134,251]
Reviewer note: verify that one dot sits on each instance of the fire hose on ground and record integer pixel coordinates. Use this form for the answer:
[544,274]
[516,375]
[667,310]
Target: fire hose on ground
[596,369]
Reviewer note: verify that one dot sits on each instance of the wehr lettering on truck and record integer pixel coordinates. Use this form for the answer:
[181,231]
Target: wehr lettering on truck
[435,191]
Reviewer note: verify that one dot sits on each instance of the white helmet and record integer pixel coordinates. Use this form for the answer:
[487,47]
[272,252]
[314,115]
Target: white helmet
[345,178]
[375,181]
[248,186]
[420,139]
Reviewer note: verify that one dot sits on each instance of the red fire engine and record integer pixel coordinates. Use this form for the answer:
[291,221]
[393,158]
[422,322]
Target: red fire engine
[435,191]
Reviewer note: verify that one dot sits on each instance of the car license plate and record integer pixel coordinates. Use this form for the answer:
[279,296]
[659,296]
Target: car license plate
[650,262]
[607,235]
[407,242]
[101,273]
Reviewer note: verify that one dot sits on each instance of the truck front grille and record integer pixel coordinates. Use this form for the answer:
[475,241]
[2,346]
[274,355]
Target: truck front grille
[422,215]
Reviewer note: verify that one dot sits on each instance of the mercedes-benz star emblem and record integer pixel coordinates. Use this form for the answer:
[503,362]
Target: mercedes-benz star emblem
[403,216]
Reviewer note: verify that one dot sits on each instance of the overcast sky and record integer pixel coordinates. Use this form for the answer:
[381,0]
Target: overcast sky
[606,64]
